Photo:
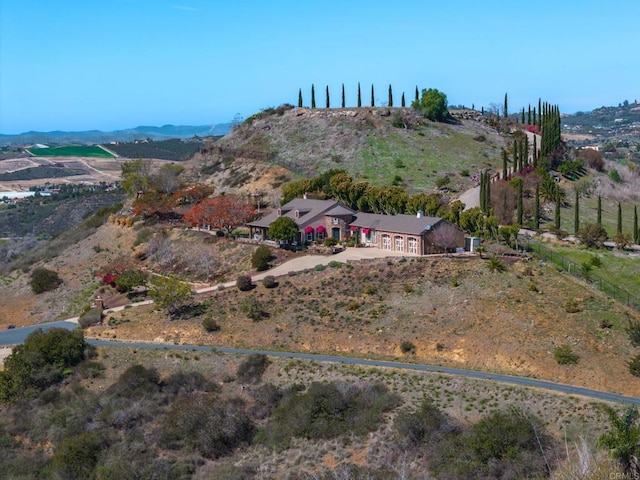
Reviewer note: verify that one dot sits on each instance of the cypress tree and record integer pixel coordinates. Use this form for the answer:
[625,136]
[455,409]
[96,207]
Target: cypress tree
[300,98]
[482,111]
[506,107]
[557,213]
[576,214]
[505,167]
[343,102]
[529,115]
[635,225]
[482,192]
[313,96]
[328,103]
[403,102]
[534,155]
[417,95]
[359,96]
[520,210]
[390,97]
[535,119]
[536,209]
[515,157]
[599,210]
[619,228]
[526,150]
[373,102]
[522,116]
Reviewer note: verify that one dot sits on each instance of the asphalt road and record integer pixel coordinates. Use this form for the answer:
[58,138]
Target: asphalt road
[17,335]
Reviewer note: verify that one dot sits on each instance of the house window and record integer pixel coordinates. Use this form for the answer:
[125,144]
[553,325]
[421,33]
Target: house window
[399,243]
[386,242]
[374,236]
[310,237]
[335,233]
[335,221]
[413,245]
[320,235]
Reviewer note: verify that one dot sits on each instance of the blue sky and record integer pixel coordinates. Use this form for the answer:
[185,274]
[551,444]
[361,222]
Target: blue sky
[88,64]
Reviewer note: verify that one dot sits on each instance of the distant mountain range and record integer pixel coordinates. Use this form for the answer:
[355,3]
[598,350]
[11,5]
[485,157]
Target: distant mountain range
[97,136]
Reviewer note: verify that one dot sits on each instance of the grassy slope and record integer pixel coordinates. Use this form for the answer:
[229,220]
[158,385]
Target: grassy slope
[368,145]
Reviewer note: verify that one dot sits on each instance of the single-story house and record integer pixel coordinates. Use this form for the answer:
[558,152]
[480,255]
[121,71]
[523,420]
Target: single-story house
[318,219]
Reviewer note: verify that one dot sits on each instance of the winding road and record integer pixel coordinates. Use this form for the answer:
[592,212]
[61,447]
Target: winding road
[17,335]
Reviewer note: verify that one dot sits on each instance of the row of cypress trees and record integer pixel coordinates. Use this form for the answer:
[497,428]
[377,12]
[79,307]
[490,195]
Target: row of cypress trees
[359,104]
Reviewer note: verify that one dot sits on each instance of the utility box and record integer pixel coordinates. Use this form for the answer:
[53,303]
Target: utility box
[471,244]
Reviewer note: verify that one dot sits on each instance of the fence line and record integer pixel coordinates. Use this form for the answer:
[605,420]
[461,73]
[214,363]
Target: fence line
[608,288]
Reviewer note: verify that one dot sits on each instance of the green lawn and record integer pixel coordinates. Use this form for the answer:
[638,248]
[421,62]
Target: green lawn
[70,151]
[420,160]
[618,268]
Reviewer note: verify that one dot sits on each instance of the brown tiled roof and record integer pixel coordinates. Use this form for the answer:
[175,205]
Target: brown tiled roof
[395,223]
[308,210]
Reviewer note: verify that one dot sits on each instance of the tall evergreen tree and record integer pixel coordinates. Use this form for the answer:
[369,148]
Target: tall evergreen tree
[403,102]
[390,97]
[359,96]
[519,206]
[529,115]
[328,103]
[534,154]
[522,116]
[619,227]
[556,216]
[373,101]
[599,211]
[417,94]
[343,101]
[535,118]
[300,98]
[505,166]
[635,225]
[576,214]
[313,96]
[526,150]
[505,109]
[514,147]
[536,209]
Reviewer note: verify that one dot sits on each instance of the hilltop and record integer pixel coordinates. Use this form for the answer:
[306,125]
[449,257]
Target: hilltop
[380,145]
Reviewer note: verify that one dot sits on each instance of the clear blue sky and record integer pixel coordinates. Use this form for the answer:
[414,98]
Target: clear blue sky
[88,64]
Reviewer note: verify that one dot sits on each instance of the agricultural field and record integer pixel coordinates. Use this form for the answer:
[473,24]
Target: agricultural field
[71,151]
[174,149]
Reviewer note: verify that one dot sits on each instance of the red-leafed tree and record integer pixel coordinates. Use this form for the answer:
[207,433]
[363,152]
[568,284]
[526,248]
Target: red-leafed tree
[224,212]
[192,194]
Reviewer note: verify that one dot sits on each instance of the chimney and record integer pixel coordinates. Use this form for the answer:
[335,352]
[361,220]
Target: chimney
[306,196]
[279,212]
[419,214]
[297,213]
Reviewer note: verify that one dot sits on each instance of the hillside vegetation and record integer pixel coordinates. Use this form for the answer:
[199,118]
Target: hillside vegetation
[379,145]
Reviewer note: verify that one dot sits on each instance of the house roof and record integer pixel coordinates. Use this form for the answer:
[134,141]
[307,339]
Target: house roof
[410,224]
[308,211]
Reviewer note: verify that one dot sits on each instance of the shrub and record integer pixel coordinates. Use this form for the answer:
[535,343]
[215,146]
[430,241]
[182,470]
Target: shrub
[595,261]
[633,331]
[90,317]
[407,347]
[254,310]
[564,355]
[319,267]
[210,324]
[330,242]
[77,456]
[269,281]
[130,279]
[43,280]
[443,181]
[244,283]
[586,267]
[634,366]
[592,235]
[370,289]
[571,306]
[260,258]
[496,265]
[42,360]
[614,175]
[252,368]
